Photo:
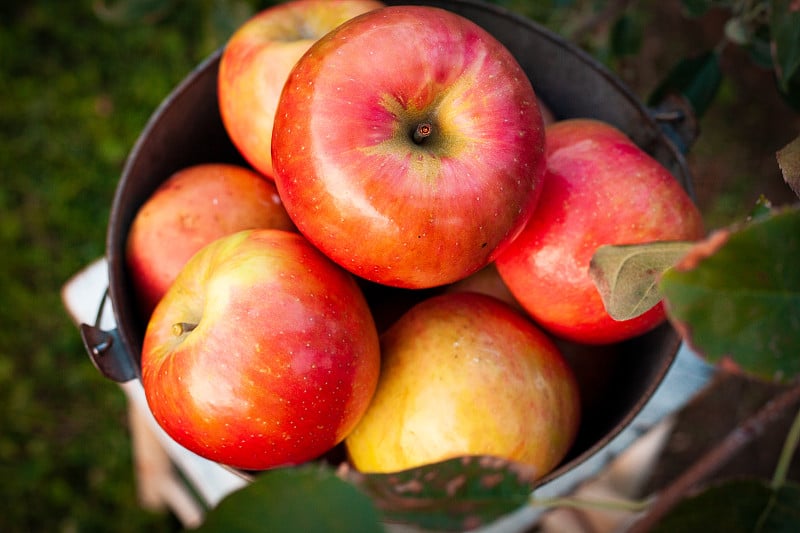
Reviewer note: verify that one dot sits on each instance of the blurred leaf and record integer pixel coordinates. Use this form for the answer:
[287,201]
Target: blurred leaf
[627,275]
[697,79]
[309,498]
[454,495]
[696,8]
[760,48]
[735,296]
[792,95]
[739,506]
[785,30]
[626,36]
[789,163]
[762,209]
[737,31]
[131,11]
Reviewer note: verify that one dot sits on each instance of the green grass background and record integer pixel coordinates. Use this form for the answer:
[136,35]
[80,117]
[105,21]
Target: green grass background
[76,92]
[77,88]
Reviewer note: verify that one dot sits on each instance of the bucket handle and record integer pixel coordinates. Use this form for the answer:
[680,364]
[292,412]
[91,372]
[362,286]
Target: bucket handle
[105,349]
[675,117]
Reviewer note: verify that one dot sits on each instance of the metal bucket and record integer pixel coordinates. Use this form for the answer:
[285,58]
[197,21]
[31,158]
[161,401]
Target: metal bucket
[186,129]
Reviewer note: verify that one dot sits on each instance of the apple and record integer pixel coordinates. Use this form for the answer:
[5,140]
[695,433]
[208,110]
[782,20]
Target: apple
[466,374]
[548,116]
[262,353]
[485,281]
[409,146]
[257,60]
[600,188]
[193,207]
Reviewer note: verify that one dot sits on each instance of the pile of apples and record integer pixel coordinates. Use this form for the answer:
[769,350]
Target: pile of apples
[399,149]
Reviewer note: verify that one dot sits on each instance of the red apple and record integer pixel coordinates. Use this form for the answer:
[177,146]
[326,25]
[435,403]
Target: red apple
[600,188]
[262,353]
[548,117]
[257,60]
[193,207]
[408,146]
[466,374]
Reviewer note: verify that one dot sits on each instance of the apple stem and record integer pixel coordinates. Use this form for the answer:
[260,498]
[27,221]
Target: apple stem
[179,328]
[422,132]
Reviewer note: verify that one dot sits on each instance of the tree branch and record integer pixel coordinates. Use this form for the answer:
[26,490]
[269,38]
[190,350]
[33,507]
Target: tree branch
[718,456]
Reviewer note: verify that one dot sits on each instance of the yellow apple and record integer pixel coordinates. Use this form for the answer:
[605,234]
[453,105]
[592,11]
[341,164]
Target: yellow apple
[485,281]
[464,373]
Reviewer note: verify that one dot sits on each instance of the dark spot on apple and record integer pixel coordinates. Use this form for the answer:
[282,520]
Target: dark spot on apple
[484,245]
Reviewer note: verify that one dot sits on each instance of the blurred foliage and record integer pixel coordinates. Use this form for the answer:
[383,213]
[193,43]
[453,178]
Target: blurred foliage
[77,91]
[741,506]
[80,80]
[737,305]
[308,498]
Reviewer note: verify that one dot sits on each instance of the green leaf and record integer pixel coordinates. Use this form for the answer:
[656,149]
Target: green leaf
[735,297]
[760,47]
[697,78]
[454,495]
[739,506]
[627,275]
[308,498]
[789,163]
[696,8]
[785,29]
[626,36]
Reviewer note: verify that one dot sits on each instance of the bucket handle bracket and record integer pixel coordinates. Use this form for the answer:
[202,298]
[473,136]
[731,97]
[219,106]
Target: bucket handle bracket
[105,349]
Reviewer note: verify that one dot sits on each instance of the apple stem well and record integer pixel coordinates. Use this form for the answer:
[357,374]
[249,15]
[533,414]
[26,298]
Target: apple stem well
[422,132]
[179,328]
